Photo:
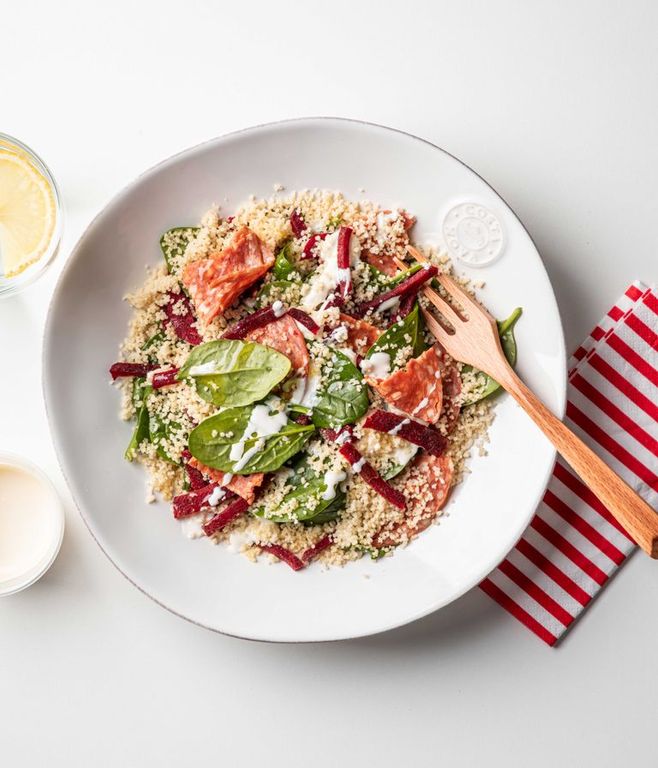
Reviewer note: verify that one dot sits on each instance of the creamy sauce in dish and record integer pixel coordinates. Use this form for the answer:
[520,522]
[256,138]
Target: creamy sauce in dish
[30,526]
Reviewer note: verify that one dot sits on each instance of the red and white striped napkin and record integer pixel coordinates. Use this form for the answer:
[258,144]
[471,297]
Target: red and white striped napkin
[574,545]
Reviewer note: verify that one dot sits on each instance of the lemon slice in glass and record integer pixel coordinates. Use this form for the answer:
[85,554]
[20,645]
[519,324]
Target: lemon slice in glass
[28,213]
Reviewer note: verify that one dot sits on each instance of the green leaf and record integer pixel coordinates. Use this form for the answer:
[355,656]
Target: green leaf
[394,469]
[374,552]
[508,343]
[232,373]
[138,396]
[160,431]
[296,408]
[156,339]
[406,273]
[140,433]
[174,242]
[332,512]
[342,396]
[212,440]
[283,265]
[305,495]
[149,425]
[408,333]
[153,342]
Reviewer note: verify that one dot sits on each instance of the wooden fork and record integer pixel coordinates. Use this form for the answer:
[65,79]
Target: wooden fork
[472,337]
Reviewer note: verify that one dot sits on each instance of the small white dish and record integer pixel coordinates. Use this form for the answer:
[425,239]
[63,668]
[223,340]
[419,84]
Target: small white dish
[31,523]
[88,318]
[14,285]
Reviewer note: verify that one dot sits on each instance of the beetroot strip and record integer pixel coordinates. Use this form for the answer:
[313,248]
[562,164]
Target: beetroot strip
[372,477]
[343,247]
[342,435]
[186,504]
[164,378]
[258,319]
[231,512]
[194,501]
[344,284]
[411,284]
[308,251]
[306,320]
[183,325]
[408,429]
[297,223]
[194,476]
[285,555]
[122,370]
[312,552]
[406,305]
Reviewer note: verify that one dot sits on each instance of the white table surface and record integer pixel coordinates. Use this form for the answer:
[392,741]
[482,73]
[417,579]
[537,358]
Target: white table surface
[554,104]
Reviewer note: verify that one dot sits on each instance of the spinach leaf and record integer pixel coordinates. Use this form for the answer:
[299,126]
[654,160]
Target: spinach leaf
[295,408]
[141,430]
[232,373]
[342,396]
[377,278]
[174,242]
[212,440]
[283,265]
[138,396]
[149,425]
[152,342]
[408,333]
[374,552]
[394,469]
[304,499]
[508,343]
[332,512]
[396,279]
[160,431]
[386,282]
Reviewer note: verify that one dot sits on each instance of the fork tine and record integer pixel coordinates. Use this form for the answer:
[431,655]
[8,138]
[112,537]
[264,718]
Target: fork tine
[444,308]
[458,293]
[399,263]
[438,331]
[417,254]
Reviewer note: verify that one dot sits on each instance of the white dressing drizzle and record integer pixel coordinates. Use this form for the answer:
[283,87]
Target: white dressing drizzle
[378,366]
[331,480]
[391,303]
[262,424]
[358,465]
[324,280]
[204,369]
[396,429]
[216,496]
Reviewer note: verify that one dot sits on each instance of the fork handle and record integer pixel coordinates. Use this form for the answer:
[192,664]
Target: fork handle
[630,509]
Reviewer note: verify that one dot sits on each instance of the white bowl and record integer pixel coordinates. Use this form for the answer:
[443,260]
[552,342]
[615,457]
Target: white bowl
[209,585]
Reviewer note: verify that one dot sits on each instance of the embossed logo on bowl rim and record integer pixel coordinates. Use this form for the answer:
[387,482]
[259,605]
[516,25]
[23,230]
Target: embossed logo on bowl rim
[473,234]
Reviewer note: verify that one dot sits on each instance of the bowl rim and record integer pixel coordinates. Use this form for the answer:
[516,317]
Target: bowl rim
[561,392]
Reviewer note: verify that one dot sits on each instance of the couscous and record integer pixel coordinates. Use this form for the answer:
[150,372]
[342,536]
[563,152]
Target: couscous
[286,395]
